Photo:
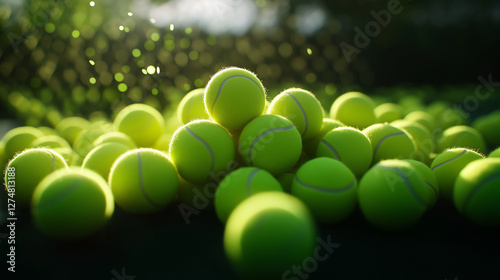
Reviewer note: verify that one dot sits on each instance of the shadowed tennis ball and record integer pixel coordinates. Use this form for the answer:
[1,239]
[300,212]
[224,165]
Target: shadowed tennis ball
[348,145]
[18,139]
[477,192]
[163,142]
[267,234]
[448,165]
[286,181]
[199,196]
[461,136]
[192,107]
[354,109]
[302,108]
[495,153]
[143,181]
[70,127]
[311,145]
[410,103]
[445,115]
[424,143]
[388,112]
[2,154]
[430,181]
[327,187]
[389,142]
[101,158]
[272,143]
[50,141]
[392,195]
[31,166]
[72,203]
[239,185]
[423,118]
[141,122]
[201,151]
[489,128]
[115,137]
[233,97]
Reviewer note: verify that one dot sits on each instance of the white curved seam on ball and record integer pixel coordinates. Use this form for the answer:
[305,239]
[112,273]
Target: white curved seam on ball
[351,185]
[331,148]
[249,181]
[306,121]
[262,135]
[383,139]
[432,187]
[451,159]
[224,82]
[141,183]
[212,156]
[477,188]
[53,166]
[407,183]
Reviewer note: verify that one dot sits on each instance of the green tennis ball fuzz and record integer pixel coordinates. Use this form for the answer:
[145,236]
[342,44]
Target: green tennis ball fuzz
[233,97]
[424,143]
[448,165]
[302,108]
[392,195]
[430,181]
[18,139]
[477,192]
[311,145]
[239,185]
[348,145]
[202,151]
[192,107]
[30,167]
[101,158]
[115,137]
[72,203]
[327,187]
[272,143]
[461,136]
[143,123]
[267,234]
[354,109]
[389,142]
[143,181]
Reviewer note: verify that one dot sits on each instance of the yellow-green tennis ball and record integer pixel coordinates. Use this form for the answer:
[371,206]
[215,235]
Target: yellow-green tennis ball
[143,181]
[239,185]
[302,108]
[354,109]
[424,143]
[423,118]
[350,146]
[47,130]
[272,143]
[477,192]
[495,153]
[448,165]
[66,153]
[389,142]
[328,188]
[311,145]
[388,112]
[70,127]
[101,158]
[489,127]
[233,97]
[461,136]
[192,107]
[31,166]
[141,122]
[50,141]
[267,234]
[115,137]
[392,195]
[430,181]
[18,139]
[72,203]
[202,151]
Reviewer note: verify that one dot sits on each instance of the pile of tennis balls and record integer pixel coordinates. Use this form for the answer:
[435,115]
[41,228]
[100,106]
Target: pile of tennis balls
[279,168]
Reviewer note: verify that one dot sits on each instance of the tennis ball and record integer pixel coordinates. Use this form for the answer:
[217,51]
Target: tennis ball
[272,143]
[192,107]
[239,185]
[70,127]
[448,164]
[348,145]
[388,112]
[267,234]
[47,130]
[233,97]
[354,109]
[286,181]
[495,153]
[423,118]
[30,167]
[389,142]
[141,122]
[489,128]
[311,145]
[424,143]
[2,154]
[199,196]
[18,139]
[327,187]
[72,203]
[446,116]
[143,181]
[302,108]
[201,151]
[410,103]
[50,141]
[430,181]
[66,153]
[101,158]
[115,137]
[476,192]
[461,136]
[392,195]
